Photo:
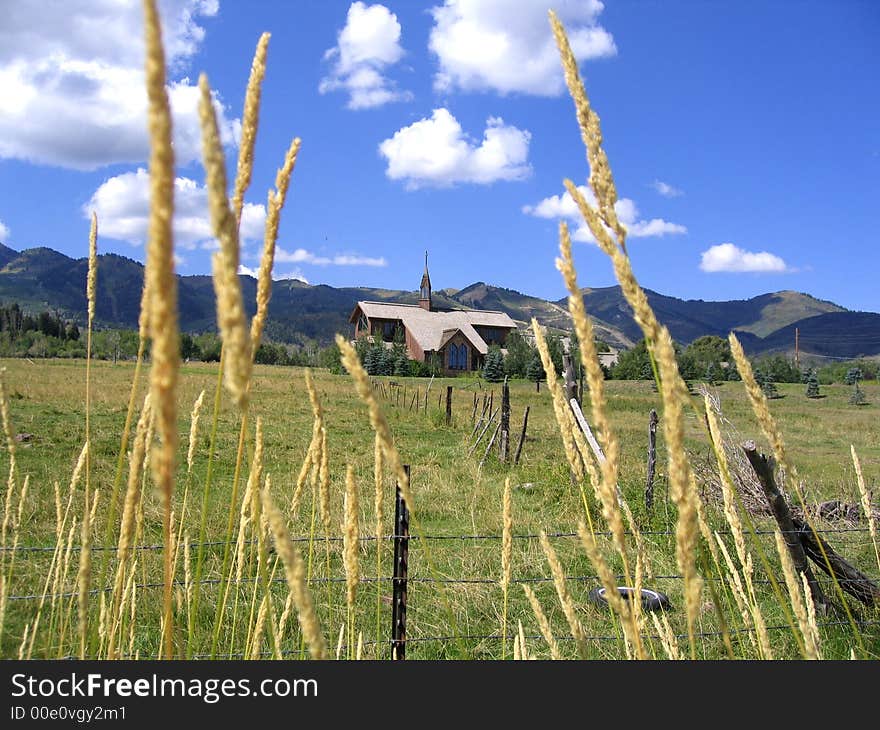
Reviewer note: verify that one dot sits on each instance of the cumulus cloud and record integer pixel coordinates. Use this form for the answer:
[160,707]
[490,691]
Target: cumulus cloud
[437,152]
[5,233]
[367,45]
[488,45]
[666,190]
[122,204]
[563,206]
[726,257]
[73,82]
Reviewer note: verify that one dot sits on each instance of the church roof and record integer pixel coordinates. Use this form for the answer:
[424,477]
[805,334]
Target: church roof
[429,328]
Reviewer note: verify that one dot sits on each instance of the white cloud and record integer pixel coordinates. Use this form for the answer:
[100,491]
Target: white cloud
[437,152]
[728,257]
[73,82]
[5,233]
[563,206]
[122,204]
[666,190]
[303,256]
[496,45]
[367,45]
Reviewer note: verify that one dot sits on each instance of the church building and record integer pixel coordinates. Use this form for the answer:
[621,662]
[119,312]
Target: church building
[458,338]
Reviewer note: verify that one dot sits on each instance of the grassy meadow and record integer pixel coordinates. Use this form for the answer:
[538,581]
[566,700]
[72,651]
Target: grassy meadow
[454,497]
[128,532]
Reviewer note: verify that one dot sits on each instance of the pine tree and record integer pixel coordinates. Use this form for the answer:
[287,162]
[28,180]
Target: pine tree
[853,376]
[535,370]
[493,370]
[711,377]
[812,385]
[769,388]
[372,361]
[401,365]
[858,396]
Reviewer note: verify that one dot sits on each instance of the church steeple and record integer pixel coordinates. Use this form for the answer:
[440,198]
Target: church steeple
[425,288]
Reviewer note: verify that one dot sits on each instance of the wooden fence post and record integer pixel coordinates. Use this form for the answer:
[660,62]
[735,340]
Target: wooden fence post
[522,437]
[448,405]
[652,459]
[504,444]
[398,583]
[763,467]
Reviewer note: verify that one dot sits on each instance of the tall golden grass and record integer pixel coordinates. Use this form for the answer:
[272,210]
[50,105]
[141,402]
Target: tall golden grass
[259,549]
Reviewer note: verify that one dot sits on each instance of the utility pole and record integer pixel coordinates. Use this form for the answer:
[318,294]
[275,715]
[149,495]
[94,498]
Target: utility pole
[797,359]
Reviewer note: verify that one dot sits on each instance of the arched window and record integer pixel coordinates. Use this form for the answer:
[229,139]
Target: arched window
[453,357]
[463,357]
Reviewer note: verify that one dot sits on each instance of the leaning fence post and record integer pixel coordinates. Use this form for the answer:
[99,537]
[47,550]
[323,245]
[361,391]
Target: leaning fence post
[764,467]
[652,459]
[522,437]
[398,583]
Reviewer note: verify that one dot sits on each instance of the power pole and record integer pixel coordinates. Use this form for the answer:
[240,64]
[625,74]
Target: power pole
[797,359]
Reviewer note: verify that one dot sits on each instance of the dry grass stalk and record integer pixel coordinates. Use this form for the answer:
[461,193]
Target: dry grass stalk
[577,629]
[84,573]
[739,594]
[165,350]
[506,559]
[543,623]
[250,119]
[667,636]
[606,490]
[92,276]
[259,628]
[193,430]
[611,237]
[626,611]
[231,316]
[811,616]
[866,502]
[128,525]
[560,407]
[350,550]
[273,216]
[295,571]
[795,597]
[353,366]
[761,408]
[9,432]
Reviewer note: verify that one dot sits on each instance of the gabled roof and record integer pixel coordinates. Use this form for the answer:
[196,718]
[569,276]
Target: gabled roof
[429,328]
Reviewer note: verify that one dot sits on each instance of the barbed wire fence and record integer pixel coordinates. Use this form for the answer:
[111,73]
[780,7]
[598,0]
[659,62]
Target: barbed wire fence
[422,585]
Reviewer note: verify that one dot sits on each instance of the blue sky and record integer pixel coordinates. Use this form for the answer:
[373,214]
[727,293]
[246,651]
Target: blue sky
[744,138]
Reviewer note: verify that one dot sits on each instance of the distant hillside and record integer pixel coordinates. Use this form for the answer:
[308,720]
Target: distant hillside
[40,279]
[835,334]
[692,318]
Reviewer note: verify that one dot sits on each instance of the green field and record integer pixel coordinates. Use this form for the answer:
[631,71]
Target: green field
[453,590]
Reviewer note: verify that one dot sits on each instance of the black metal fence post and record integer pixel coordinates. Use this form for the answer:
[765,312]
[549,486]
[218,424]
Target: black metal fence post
[401,561]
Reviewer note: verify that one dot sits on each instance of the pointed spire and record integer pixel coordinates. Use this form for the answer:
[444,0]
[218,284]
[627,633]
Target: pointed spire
[425,288]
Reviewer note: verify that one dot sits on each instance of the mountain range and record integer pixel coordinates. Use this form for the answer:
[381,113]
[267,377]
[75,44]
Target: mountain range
[41,278]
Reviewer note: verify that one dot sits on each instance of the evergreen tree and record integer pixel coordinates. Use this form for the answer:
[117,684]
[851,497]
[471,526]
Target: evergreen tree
[493,369]
[853,376]
[858,396]
[733,373]
[711,376]
[812,384]
[535,370]
[769,388]
[373,360]
[386,361]
[401,365]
